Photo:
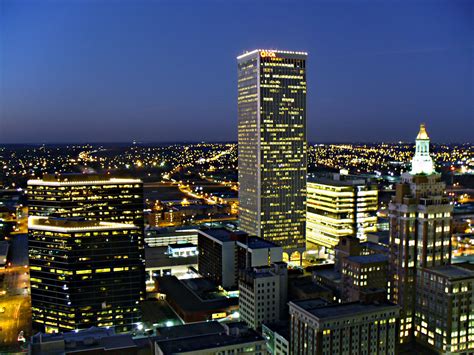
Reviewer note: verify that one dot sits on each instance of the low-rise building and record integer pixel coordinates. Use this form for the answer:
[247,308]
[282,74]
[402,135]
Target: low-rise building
[363,275]
[350,328]
[197,299]
[197,338]
[210,338]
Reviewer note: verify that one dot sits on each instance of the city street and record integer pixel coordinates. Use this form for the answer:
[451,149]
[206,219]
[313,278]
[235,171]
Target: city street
[15,305]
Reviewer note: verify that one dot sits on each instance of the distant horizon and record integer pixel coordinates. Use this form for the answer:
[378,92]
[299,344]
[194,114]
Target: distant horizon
[211,142]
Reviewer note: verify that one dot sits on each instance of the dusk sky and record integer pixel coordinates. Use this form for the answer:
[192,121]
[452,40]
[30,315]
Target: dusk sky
[160,71]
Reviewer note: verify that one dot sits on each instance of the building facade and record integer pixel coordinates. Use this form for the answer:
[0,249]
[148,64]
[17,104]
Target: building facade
[272,146]
[420,235]
[263,294]
[364,277]
[350,328]
[223,253]
[340,206]
[444,316]
[84,273]
[94,197]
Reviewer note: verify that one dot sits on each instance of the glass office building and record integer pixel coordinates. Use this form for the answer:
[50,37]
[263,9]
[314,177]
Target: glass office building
[83,274]
[272,146]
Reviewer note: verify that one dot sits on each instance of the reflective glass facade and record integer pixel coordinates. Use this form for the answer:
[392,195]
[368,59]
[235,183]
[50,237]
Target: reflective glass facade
[83,274]
[66,258]
[272,146]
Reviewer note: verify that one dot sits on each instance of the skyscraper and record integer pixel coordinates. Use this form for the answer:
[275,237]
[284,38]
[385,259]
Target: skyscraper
[420,218]
[81,225]
[272,146]
[84,273]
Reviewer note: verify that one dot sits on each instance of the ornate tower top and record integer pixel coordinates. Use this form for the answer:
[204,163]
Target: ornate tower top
[422,134]
[422,162]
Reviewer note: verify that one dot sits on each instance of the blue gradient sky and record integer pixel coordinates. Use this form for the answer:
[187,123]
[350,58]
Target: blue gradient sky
[89,71]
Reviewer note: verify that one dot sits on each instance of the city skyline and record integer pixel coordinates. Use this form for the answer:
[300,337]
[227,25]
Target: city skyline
[104,69]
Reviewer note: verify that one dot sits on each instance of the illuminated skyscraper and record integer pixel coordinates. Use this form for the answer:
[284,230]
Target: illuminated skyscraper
[79,226]
[272,146]
[420,236]
[83,274]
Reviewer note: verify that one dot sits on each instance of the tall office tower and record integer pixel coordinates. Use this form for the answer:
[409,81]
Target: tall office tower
[93,197]
[420,218]
[84,273]
[340,206]
[272,146]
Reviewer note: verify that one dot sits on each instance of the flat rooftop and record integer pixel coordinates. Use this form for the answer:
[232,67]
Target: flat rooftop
[368,259]
[454,272]
[339,180]
[329,274]
[343,310]
[157,257]
[193,340]
[258,243]
[80,179]
[193,296]
[188,330]
[222,234]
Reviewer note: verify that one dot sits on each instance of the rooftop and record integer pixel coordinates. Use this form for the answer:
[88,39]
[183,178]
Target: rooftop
[223,235]
[258,243]
[340,180]
[207,335]
[69,225]
[248,53]
[187,330]
[192,295]
[379,247]
[343,310]
[92,339]
[368,259]
[80,179]
[454,272]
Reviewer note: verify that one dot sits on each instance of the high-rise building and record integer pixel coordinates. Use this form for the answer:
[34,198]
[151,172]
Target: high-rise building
[70,199]
[420,218]
[349,328]
[84,273]
[272,146]
[340,206]
[91,196]
[444,314]
[263,293]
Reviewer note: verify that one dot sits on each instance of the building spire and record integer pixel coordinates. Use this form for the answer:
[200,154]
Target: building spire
[422,162]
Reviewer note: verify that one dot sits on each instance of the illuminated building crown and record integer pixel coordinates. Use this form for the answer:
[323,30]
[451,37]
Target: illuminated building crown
[422,162]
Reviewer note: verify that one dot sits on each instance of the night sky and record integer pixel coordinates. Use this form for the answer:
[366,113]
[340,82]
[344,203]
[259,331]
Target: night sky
[161,71]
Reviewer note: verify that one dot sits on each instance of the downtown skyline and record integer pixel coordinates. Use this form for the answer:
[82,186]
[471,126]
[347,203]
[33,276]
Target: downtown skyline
[105,69]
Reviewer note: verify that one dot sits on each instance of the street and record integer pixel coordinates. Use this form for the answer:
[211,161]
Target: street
[16,303]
